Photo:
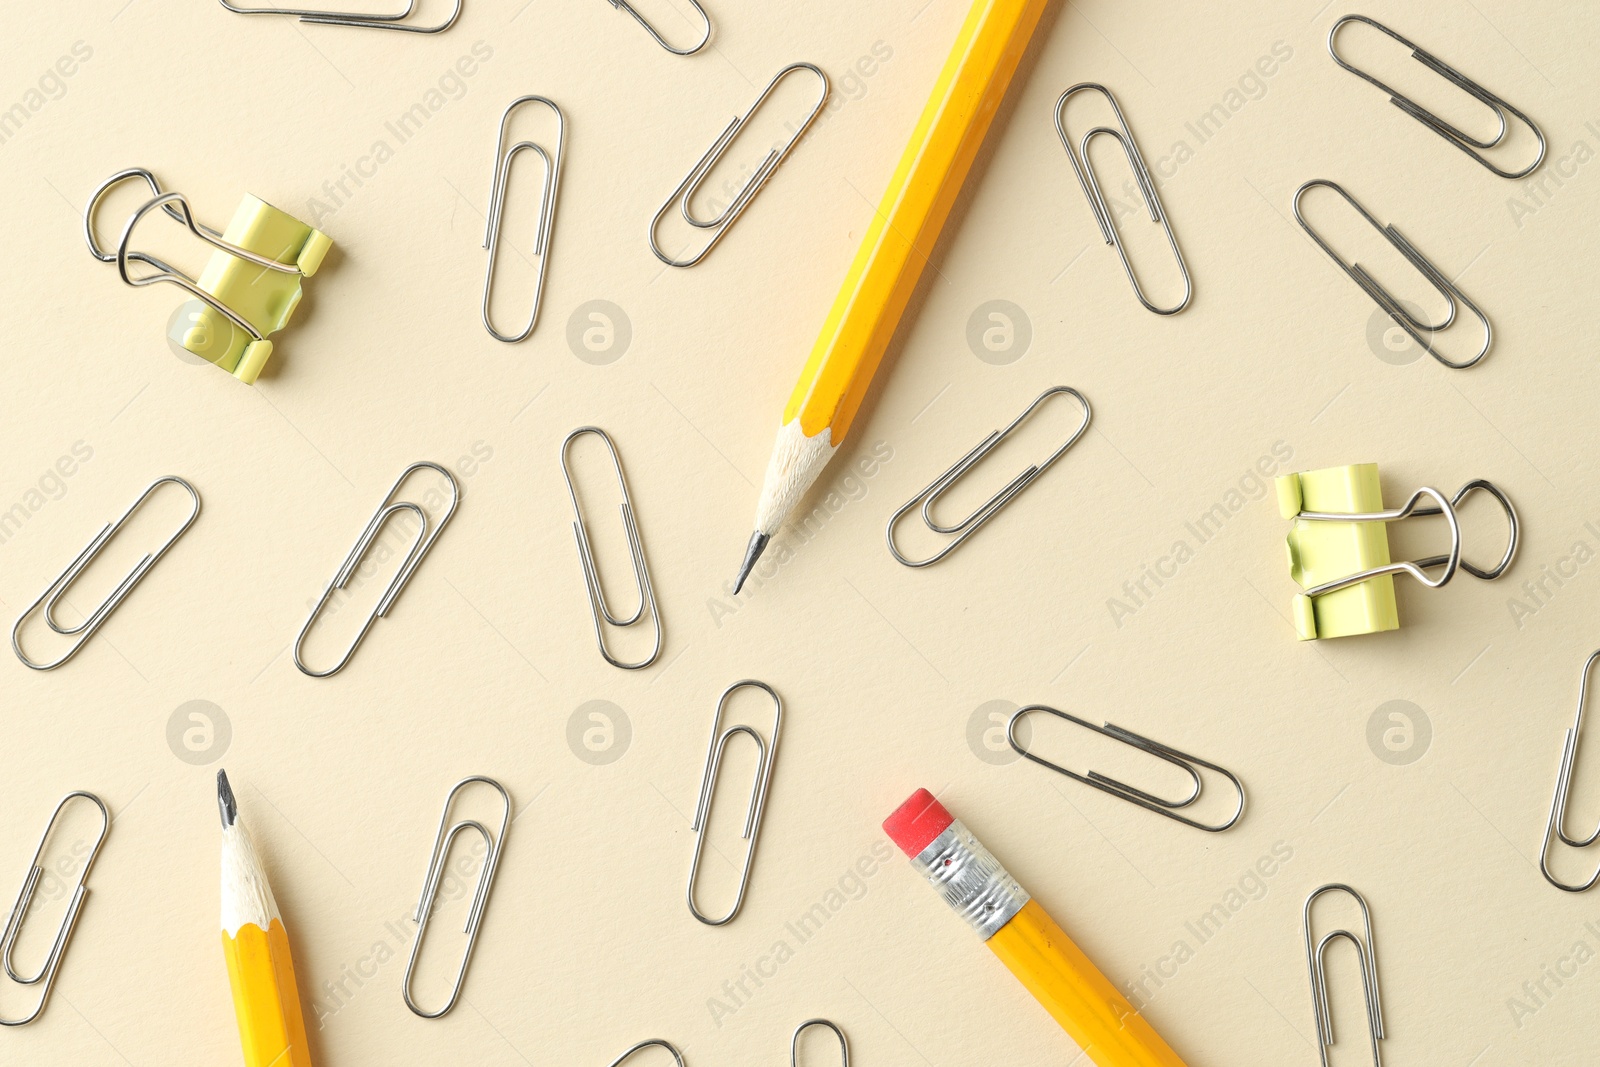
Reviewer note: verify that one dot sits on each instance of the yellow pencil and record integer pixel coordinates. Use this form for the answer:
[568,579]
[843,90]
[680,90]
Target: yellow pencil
[896,247]
[260,969]
[1092,1011]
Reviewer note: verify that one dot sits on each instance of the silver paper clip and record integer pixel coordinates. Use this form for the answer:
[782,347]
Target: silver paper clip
[493,845]
[352,18]
[1472,146]
[960,531]
[1079,157]
[425,538]
[1366,954]
[768,753]
[598,605]
[46,975]
[1172,809]
[547,210]
[1387,301]
[654,1042]
[51,597]
[690,186]
[623,5]
[794,1042]
[1557,827]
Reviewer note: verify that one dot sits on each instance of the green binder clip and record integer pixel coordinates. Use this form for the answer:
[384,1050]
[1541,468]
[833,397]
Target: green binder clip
[249,288]
[1339,548]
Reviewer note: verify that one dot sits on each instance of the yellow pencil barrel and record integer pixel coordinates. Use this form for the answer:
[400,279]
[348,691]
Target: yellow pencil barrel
[266,998]
[906,226]
[1092,1011]
[1071,988]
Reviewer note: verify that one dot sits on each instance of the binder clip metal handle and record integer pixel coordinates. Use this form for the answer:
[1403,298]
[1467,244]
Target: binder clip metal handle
[250,286]
[1339,549]
[1451,561]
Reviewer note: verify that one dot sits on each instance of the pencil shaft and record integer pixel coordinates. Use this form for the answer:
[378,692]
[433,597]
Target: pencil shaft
[909,219]
[266,997]
[1074,991]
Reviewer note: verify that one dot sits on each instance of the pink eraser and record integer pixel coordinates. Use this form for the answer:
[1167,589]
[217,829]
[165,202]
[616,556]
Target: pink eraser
[915,824]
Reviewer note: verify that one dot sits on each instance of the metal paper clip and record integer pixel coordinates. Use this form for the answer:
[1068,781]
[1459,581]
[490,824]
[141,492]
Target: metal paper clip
[8,940]
[51,597]
[654,1042]
[1557,827]
[598,606]
[352,18]
[623,5]
[1467,143]
[794,1042]
[547,209]
[1366,954]
[1386,300]
[1079,157]
[493,844]
[987,510]
[768,753]
[1149,801]
[690,186]
[425,538]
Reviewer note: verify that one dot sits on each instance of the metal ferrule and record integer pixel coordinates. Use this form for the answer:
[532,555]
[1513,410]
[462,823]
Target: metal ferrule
[971,880]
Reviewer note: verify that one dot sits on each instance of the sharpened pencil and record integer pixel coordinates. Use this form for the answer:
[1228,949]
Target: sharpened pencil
[894,251]
[266,998]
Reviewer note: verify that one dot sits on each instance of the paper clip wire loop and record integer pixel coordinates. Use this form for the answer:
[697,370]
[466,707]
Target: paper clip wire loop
[1557,827]
[1079,157]
[794,1042]
[1367,954]
[420,547]
[623,5]
[51,597]
[352,18]
[1386,300]
[654,1042]
[8,940]
[598,605]
[1472,146]
[547,210]
[1149,801]
[442,841]
[768,754]
[690,186]
[987,510]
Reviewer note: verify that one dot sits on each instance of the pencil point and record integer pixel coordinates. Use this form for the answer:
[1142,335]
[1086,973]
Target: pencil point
[758,545]
[225,802]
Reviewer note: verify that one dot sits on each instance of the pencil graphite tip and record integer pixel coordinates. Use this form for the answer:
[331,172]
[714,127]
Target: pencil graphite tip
[228,806]
[758,545]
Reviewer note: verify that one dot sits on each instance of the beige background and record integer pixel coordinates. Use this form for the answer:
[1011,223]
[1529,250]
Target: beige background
[587,946]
